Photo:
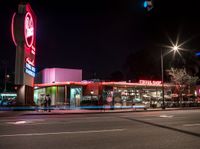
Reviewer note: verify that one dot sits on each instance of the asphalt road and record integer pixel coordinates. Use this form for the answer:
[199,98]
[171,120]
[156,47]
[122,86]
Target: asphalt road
[132,130]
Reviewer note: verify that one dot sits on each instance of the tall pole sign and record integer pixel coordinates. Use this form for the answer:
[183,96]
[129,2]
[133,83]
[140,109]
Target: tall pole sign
[23,29]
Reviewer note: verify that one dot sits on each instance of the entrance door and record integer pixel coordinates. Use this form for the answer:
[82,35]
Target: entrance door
[75,96]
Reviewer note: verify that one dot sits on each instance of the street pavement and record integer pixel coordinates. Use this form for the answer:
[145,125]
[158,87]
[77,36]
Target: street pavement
[169,129]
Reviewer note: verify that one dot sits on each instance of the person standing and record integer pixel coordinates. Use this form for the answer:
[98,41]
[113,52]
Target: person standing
[45,103]
[49,103]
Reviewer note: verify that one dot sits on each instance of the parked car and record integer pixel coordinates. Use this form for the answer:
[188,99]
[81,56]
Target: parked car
[8,102]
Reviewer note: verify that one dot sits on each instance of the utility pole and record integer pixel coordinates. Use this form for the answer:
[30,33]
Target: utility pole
[163,89]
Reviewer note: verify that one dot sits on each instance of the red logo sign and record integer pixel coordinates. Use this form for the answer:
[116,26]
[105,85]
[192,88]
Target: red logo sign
[29,29]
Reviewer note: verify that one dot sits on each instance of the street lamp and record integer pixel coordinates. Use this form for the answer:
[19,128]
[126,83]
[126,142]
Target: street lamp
[175,49]
[91,93]
[5,81]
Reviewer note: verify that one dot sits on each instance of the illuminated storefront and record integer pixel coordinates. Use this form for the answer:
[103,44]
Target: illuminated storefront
[118,94]
[68,94]
[63,85]
[128,94]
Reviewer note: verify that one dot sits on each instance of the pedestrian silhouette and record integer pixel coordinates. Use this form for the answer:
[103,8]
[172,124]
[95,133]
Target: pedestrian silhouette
[49,103]
[45,103]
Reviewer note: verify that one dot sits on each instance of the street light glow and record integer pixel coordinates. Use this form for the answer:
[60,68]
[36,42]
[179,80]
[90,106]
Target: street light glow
[175,48]
[92,92]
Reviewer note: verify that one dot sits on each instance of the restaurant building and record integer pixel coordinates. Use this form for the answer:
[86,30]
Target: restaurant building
[66,88]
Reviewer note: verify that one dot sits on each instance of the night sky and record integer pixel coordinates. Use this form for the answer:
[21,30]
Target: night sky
[103,36]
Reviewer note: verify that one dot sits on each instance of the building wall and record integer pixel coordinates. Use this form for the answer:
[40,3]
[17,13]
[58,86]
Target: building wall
[62,75]
[50,75]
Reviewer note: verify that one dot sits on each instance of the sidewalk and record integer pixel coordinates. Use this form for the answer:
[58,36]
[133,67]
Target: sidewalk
[83,111]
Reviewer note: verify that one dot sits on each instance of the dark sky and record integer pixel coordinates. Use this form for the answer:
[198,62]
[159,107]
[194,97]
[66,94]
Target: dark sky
[98,35]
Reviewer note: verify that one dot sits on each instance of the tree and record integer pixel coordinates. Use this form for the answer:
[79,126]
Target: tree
[182,80]
[181,77]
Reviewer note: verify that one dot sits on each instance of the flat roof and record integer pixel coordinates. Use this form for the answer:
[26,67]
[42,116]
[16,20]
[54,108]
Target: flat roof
[116,84]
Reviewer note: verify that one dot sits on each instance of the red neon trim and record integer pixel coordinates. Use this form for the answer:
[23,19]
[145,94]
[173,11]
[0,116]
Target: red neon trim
[12,29]
[125,84]
[128,84]
[32,38]
[60,84]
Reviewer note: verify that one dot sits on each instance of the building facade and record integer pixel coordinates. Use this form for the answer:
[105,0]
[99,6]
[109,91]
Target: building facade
[118,94]
[66,88]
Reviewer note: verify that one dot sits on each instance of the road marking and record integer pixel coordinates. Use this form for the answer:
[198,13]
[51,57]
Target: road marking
[20,122]
[190,125]
[40,122]
[24,121]
[138,116]
[60,133]
[166,116]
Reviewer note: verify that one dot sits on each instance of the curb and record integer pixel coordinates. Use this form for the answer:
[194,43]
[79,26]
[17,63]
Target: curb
[105,112]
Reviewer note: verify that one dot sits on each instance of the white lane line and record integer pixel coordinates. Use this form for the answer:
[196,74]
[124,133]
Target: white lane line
[59,133]
[20,122]
[24,122]
[190,125]
[53,123]
[166,116]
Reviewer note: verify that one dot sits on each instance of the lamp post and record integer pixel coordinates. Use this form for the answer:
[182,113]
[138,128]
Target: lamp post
[175,49]
[163,99]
